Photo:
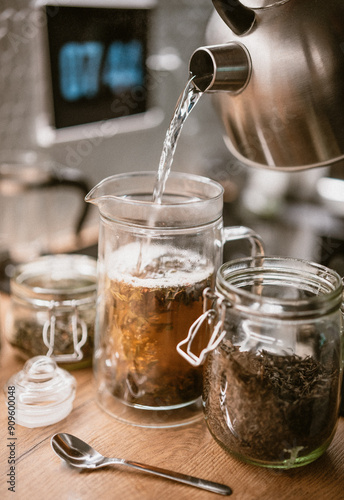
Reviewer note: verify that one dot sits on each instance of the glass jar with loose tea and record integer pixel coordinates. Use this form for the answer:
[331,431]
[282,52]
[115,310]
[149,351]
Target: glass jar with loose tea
[52,309]
[272,378]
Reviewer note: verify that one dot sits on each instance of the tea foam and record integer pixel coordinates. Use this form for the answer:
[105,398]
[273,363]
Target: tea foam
[172,266]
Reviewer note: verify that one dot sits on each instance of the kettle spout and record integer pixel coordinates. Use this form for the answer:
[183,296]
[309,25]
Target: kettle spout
[221,68]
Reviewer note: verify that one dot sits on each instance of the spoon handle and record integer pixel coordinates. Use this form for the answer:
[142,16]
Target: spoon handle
[221,489]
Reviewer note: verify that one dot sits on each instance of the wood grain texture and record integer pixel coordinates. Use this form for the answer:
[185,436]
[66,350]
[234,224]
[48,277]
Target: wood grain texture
[40,475]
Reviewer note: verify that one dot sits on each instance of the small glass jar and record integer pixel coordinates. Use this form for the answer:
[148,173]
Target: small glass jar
[273,368]
[52,310]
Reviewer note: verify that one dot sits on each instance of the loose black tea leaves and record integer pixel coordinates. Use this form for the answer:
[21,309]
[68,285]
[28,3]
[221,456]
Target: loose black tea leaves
[27,338]
[271,408]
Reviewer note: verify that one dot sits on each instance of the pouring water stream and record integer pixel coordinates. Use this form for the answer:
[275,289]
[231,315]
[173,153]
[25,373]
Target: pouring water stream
[186,102]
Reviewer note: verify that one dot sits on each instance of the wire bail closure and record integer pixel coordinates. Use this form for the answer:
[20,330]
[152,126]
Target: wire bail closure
[49,330]
[209,315]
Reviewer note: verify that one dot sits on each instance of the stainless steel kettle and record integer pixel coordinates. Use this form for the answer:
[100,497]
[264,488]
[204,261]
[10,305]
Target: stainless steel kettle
[277,72]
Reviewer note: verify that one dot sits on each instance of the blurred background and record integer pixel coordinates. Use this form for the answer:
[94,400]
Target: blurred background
[87,90]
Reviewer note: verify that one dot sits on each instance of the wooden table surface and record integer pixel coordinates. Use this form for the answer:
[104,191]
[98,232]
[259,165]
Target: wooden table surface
[39,473]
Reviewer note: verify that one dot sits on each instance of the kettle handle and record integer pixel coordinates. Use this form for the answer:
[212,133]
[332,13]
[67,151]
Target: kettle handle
[239,18]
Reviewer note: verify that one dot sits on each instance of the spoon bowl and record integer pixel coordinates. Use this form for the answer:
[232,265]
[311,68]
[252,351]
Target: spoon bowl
[77,453]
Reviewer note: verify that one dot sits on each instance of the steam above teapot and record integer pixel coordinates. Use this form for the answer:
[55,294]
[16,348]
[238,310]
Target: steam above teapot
[276,69]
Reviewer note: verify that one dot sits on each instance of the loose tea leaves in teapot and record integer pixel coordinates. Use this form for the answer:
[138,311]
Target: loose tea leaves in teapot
[271,407]
[150,310]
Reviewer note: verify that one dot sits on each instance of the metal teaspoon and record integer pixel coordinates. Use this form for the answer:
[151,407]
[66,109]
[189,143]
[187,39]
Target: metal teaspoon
[79,454]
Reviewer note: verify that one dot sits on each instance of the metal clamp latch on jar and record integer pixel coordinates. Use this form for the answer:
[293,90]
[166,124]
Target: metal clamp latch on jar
[209,315]
[49,330]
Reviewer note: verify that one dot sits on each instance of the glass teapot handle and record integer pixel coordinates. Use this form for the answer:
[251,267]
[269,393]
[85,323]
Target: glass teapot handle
[242,232]
[210,315]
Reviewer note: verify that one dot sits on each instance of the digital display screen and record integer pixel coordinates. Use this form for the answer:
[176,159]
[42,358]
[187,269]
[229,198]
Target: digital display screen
[98,63]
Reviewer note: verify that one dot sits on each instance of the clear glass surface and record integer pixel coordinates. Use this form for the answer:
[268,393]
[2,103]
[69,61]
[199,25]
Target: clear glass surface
[272,386]
[53,308]
[155,260]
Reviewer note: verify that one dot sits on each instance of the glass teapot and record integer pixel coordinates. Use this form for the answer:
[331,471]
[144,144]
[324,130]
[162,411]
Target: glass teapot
[154,261]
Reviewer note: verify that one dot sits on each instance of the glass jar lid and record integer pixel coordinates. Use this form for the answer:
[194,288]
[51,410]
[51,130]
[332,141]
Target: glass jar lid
[44,393]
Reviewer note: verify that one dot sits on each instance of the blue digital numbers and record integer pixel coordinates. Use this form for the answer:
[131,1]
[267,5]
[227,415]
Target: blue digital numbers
[123,65]
[83,73]
[79,65]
